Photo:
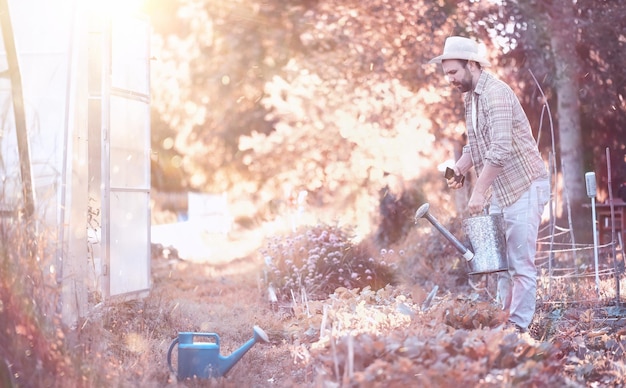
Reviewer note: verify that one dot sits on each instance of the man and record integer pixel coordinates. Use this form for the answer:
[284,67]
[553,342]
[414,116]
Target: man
[511,175]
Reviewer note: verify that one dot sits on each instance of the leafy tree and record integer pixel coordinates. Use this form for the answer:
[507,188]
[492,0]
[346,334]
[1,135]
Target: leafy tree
[328,97]
[333,97]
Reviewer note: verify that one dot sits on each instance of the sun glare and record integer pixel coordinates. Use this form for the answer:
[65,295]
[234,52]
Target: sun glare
[115,7]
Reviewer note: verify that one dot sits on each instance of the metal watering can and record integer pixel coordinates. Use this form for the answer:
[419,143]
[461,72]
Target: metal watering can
[486,236]
[203,359]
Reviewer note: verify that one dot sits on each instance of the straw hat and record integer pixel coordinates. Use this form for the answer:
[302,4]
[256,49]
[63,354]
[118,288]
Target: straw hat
[458,47]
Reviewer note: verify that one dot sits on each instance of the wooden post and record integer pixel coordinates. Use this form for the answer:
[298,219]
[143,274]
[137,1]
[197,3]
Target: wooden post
[18,108]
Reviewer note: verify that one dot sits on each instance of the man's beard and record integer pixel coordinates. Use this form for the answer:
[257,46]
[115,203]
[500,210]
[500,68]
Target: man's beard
[465,85]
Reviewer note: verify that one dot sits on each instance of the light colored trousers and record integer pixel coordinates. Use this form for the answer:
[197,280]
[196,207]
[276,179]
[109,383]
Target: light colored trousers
[517,288]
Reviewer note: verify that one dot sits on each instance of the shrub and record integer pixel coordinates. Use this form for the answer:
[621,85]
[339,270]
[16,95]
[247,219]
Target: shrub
[318,259]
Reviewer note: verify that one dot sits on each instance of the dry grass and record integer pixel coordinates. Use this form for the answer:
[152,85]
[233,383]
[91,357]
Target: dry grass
[375,336]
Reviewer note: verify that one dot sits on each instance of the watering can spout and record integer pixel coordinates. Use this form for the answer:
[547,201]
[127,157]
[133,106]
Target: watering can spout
[226,363]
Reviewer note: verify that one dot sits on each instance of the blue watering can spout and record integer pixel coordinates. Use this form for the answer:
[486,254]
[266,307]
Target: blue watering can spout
[226,363]
[203,359]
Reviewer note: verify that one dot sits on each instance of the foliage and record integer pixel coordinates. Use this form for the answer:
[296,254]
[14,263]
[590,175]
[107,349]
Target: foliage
[408,345]
[311,95]
[32,339]
[315,261]
[332,96]
[397,334]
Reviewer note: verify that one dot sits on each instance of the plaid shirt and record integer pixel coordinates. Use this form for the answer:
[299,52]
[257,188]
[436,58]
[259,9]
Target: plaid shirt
[503,138]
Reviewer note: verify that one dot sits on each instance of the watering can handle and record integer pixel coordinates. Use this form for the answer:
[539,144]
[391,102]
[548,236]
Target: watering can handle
[209,335]
[169,355]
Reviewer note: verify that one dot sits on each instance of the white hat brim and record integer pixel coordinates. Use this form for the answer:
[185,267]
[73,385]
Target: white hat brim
[463,56]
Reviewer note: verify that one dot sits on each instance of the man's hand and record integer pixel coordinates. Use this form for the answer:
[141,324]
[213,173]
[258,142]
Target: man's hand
[453,183]
[476,203]
[454,177]
[478,199]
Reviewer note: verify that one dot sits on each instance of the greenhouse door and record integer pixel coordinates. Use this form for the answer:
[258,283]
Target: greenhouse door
[121,112]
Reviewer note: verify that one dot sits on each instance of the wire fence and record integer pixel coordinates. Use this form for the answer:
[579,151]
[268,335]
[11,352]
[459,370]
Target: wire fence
[568,273]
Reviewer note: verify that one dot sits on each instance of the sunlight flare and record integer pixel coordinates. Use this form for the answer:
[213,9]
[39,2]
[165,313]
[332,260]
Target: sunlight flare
[115,7]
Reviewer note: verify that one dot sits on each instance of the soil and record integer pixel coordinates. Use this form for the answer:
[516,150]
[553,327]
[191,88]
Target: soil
[433,327]
[570,344]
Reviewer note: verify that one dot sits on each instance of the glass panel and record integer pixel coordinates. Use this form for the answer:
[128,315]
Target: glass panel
[130,143]
[130,57]
[130,242]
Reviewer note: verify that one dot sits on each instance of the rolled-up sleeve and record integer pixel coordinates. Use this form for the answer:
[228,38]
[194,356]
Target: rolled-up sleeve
[500,115]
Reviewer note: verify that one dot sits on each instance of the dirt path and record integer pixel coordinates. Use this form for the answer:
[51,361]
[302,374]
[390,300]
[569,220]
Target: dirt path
[226,297]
